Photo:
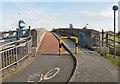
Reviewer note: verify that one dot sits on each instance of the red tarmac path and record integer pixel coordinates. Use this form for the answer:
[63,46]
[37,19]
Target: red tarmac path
[49,44]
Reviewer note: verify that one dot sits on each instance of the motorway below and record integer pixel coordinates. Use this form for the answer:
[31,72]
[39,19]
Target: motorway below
[91,67]
[47,66]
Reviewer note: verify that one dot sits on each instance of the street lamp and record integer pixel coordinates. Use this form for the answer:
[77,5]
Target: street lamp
[115,8]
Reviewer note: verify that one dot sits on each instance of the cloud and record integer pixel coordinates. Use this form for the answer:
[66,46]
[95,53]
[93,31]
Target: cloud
[104,13]
[51,18]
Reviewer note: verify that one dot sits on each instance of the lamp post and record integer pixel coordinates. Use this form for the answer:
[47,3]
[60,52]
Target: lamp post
[115,8]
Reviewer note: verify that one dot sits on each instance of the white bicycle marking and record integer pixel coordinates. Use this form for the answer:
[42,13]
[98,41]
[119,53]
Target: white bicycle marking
[47,76]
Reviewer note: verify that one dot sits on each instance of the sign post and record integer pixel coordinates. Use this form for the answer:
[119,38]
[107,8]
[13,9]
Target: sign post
[115,8]
[21,25]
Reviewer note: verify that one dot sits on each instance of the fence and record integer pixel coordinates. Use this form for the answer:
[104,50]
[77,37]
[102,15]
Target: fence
[106,43]
[107,40]
[16,34]
[13,52]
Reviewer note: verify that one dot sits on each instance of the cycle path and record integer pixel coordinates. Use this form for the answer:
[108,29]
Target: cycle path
[47,66]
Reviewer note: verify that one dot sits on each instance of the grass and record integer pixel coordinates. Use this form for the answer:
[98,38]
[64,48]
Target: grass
[111,58]
[114,60]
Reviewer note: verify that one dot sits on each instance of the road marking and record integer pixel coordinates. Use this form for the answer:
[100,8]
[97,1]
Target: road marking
[47,76]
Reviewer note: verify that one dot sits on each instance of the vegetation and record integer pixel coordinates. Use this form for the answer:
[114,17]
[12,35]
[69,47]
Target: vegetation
[117,51]
[110,58]
[114,60]
[118,33]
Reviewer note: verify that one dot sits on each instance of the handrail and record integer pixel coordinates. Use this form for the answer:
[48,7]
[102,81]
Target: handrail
[15,53]
[15,41]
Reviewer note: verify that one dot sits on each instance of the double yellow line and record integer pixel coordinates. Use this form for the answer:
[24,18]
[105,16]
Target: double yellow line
[65,37]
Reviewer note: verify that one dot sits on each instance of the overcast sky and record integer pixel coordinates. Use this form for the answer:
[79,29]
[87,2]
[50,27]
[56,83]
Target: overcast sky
[99,15]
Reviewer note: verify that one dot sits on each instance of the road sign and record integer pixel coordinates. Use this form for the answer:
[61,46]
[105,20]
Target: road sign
[21,24]
[115,8]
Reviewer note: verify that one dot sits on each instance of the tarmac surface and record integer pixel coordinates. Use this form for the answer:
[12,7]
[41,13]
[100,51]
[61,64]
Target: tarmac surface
[47,66]
[91,67]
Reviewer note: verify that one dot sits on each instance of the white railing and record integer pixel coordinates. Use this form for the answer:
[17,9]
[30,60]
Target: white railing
[13,52]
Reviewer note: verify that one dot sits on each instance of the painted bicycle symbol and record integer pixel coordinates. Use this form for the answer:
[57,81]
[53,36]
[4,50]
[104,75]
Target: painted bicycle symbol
[49,75]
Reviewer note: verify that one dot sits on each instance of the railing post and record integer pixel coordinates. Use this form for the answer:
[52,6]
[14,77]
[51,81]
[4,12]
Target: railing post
[102,37]
[99,41]
[28,49]
[0,61]
[17,34]
[106,39]
[29,30]
[16,44]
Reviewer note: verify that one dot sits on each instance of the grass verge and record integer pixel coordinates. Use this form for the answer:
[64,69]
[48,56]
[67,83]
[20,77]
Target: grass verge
[110,57]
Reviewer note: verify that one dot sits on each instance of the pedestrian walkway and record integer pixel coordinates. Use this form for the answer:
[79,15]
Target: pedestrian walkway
[91,67]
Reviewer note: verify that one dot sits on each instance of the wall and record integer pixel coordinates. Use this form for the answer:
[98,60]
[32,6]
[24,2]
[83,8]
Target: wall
[37,36]
[89,36]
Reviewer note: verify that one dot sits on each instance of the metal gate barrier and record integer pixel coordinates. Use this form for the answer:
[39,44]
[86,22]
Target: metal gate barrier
[65,37]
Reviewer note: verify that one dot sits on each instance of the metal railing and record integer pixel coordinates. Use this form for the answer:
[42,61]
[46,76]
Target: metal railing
[13,52]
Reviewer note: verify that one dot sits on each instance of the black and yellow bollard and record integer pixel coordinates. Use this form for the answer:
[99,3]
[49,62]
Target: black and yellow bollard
[76,44]
[65,37]
[60,47]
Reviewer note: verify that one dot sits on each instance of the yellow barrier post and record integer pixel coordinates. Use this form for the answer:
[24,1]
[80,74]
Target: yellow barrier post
[60,47]
[76,47]
[65,37]
[76,44]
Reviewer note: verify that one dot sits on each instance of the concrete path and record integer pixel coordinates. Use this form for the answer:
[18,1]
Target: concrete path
[91,67]
[47,66]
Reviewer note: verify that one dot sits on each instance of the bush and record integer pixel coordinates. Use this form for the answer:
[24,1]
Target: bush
[117,51]
[109,55]
[114,60]
[112,51]
[102,53]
